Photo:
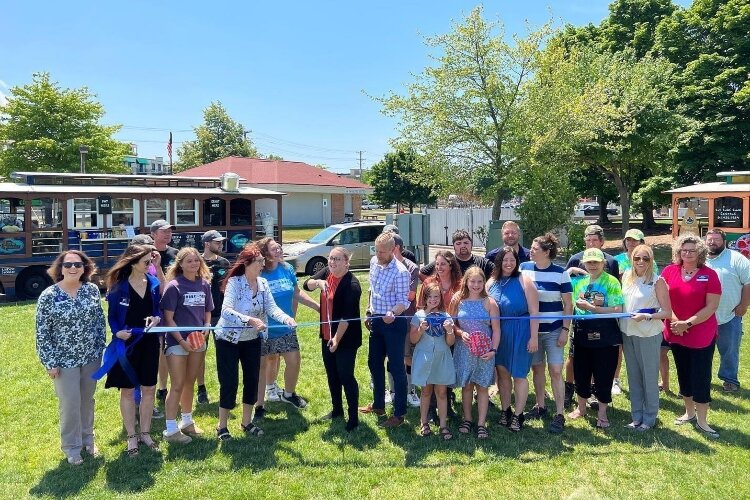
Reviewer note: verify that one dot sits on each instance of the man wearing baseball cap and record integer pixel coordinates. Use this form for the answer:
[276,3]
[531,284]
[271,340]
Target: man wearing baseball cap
[161,232]
[213,247]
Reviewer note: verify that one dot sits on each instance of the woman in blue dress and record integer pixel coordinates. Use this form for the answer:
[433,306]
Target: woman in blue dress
[516,296]
[477,325]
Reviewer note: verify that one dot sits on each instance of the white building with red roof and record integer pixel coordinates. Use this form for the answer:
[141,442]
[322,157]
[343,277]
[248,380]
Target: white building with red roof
[314,196]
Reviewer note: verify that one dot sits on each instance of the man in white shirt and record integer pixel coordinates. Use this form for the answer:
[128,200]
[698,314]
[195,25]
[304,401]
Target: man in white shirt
[734,273]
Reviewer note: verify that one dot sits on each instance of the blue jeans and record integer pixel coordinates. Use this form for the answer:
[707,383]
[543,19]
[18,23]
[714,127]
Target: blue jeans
[728,343]
[388,340]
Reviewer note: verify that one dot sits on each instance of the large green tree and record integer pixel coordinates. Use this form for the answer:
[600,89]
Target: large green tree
[218,137]
[43,125]
[710,45]
[463,112]
[400,177]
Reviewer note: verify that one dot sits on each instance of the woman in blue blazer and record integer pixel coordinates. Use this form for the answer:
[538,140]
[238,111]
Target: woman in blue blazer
[133,296]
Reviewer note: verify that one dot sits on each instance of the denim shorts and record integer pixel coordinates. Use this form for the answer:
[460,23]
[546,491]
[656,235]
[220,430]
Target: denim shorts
[177,350]
[548,349]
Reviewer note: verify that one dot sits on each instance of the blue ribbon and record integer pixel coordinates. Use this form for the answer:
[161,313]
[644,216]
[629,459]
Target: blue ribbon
[117,351]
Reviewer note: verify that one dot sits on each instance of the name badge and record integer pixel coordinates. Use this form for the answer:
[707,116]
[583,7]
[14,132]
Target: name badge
[125,302]
[701,277]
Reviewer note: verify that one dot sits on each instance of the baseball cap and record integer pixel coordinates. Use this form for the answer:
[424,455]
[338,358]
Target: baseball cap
[391,228]
[142,239]
[592,255]
[398,240]
[593,229]
[212,235]
[636,234]
[161,224]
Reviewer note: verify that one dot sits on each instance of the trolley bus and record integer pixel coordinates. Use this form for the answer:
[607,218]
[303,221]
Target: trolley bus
[728,208]
[42,214]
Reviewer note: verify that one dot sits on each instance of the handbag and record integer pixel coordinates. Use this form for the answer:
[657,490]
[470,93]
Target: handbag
[479,343]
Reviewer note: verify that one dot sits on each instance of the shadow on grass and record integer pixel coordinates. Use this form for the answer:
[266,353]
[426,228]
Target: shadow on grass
[281,426]
[128,474]
[67,480]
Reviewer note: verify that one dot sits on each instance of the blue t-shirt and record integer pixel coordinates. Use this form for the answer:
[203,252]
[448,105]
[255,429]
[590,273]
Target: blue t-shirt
[551,283]
[282,282]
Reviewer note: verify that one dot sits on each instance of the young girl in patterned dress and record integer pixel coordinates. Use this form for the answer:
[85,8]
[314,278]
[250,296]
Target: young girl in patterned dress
[432,362]
[476,314]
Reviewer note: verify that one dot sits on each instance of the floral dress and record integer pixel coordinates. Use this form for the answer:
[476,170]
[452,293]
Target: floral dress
[472,317]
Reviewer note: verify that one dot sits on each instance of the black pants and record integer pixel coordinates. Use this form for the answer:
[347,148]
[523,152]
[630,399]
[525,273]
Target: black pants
[601,362]
[339,367]
[694,371]
[228,357]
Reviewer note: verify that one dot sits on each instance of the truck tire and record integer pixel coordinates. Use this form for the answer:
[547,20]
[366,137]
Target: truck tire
[31,283]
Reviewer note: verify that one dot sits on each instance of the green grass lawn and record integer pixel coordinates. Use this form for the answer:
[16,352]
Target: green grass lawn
[300,457]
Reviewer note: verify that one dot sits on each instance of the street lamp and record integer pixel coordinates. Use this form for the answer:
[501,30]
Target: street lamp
[84,151]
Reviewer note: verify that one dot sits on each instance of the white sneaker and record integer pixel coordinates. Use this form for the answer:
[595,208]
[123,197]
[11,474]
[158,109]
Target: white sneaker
[388,397]
[274,393]
[616,389]
[412,399]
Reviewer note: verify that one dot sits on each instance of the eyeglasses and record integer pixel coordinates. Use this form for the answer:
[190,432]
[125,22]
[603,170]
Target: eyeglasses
[68,265]
[147,262]
[638,258]
[688,251]
[336,259]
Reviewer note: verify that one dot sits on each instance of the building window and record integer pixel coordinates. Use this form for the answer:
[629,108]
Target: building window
[46,213]
[84,213]
[11,215]
[156,209]
[186,212]
[240,212]
[123,212]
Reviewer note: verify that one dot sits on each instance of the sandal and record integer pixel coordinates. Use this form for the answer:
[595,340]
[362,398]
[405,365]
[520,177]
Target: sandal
[482,432]
[132,450]
[577,413]
[465,427]
[516,423]
[426,431]
[602,423]
[252,429]
[505,417]
[446,433]
[145,438]
[223,434]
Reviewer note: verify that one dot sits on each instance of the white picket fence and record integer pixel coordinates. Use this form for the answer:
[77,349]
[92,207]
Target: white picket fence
[444,221]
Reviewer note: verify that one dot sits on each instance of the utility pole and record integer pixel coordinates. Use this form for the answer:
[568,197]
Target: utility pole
[360,165]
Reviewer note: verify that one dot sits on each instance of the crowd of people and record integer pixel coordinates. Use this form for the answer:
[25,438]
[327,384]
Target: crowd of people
[460,322]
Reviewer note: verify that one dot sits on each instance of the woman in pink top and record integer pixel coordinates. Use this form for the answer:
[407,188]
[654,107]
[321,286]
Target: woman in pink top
[694,291]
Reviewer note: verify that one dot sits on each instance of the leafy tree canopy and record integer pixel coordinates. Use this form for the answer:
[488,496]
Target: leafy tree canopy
[42,127]
[218,137]
[401,177]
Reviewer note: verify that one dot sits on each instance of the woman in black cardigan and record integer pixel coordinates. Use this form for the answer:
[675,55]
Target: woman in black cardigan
[340,331]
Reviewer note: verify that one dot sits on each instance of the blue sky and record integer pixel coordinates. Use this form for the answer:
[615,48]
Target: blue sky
[296,74]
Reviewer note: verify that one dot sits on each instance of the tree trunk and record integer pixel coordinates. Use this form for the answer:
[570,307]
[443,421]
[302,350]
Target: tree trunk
[622,190]
[647,209]
[496,204]
[603,216]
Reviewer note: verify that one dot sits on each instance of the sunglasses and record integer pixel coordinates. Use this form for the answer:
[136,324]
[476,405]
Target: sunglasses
[68,265]
[641,259]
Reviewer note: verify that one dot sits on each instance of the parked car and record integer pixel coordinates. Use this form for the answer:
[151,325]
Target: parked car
[312,255]
[593,209]
[370,206]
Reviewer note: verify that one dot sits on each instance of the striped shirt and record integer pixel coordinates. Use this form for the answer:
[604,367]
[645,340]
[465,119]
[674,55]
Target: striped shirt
[551,283]
[389,286]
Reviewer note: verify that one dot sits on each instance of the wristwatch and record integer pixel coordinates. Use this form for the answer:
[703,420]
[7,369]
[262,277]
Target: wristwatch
[689,324]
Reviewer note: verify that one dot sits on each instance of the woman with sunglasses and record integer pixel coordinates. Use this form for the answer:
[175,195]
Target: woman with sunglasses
[70,334]
[133,296]
[248,303]
[646,297]
[694,291]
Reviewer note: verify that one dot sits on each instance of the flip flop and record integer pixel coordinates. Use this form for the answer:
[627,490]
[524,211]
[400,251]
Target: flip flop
[602,423]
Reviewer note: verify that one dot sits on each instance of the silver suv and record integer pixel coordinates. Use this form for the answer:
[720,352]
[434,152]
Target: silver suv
[312,255]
